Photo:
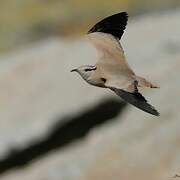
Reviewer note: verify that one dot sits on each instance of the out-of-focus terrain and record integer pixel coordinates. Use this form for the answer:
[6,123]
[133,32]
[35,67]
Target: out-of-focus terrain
[25,21]
[38,92]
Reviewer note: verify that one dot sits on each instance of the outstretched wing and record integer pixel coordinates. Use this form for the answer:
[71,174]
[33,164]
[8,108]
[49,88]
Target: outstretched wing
[105,36]
[114,25]
[137,100]
[112,64]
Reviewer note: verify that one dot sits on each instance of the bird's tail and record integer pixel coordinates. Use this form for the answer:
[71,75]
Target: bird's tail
[142,82]
[137,100]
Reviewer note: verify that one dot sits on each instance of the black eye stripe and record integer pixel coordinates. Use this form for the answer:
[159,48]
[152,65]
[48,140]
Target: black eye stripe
[90,69]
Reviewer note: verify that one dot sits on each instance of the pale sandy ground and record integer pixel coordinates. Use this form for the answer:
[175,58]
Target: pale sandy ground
[37,87]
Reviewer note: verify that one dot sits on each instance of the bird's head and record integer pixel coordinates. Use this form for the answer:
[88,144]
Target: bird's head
[85,71]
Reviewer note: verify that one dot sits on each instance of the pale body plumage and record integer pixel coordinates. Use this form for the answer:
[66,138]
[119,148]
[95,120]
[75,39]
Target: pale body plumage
[111,64]
[112,70]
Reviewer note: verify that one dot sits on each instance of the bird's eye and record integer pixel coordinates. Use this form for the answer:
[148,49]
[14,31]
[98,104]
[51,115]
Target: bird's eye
[87,70]
[90,69]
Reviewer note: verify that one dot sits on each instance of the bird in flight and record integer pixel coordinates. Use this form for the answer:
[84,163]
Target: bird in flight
[112,70]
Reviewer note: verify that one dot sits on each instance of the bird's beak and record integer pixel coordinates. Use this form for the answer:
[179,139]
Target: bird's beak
[73,70]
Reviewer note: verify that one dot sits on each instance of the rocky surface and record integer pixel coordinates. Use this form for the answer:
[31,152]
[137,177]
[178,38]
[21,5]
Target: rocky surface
[37,89]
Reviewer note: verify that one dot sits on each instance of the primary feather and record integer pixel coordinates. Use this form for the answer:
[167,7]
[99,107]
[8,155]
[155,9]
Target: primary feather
[114,25]
[137,100]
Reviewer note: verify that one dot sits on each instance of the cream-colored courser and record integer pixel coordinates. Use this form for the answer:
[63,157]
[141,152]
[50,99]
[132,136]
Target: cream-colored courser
[112,70]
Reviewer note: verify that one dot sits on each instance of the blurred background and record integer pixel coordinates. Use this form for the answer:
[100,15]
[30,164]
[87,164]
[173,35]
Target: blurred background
[54,126]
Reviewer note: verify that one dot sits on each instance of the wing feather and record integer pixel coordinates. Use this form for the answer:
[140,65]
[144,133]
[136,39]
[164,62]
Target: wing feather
[114,25]
[112,64]
[137,100]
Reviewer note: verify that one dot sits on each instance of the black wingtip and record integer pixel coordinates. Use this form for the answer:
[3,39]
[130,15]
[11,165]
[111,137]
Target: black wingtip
[153,111]
[144,105]
[137,100]
[156,113]
[114,24]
